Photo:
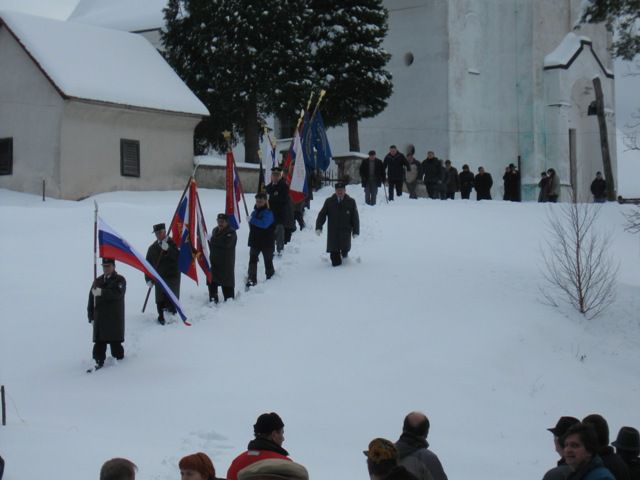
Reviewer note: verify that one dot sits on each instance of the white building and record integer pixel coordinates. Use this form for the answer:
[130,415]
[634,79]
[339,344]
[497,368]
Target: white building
[86,110]
[482,82]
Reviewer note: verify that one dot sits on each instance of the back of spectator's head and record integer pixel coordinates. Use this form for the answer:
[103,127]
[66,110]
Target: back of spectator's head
[416,423]
[118,469]
[587,435]
[382,456]
[268,422]
[198,462]
[601,427]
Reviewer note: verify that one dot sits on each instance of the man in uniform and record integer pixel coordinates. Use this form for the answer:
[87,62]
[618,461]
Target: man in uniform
[163,256]
[280,206]
[342,212]
[105,310]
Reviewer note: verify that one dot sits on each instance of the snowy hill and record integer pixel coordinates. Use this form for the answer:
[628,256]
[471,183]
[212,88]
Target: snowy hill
[437,309]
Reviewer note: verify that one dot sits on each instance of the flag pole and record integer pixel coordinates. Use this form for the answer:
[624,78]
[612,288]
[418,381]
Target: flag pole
[227,136]
[95,242]
[320,97]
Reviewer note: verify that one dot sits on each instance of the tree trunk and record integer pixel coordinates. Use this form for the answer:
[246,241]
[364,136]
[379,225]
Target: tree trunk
[604,141]
[354,139]
[251,132]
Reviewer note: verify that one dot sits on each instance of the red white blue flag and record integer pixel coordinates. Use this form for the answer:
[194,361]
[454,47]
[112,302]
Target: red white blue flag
[298,181]
[113,245]
[232,204]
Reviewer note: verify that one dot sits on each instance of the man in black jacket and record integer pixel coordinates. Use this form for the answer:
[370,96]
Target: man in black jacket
[222,254]
[261,236]
[413,446]
[395,164]
[483,183]
[280,205]
[163,256]
[628,447]
[466,182]
[372,176]
[611,460]
[344,222]
[599,189]
[105,310]
[433,173]
[561,471]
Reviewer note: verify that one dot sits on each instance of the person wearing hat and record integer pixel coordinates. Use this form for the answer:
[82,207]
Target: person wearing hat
[627,446]
[281,206]
[562,470]
[466,182]
[599,189]
[395,164]
[581,454]
[222,253]
[105,310]
[371,176]
[197,466]
[118,469]
[274,469]
[610,459]
[413,448]
[261,238]
[511,181]
[382,462]
[267,444]
[163,256]
[483,183]
[344,223]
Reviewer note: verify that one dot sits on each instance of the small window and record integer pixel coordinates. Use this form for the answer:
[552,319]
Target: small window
[408,58]
[6,156]
[286,126]
[129,158]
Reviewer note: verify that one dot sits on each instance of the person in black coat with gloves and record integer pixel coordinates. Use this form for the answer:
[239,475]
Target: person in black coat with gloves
[466,182]
[483,183]
[372,176]
[344,222]
[163,256]
[395,164]
[280,205]
[222,253]
[105,310]
[599,189]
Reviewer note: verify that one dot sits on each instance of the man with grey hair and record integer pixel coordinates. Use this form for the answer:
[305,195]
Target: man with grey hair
[118,469]
[413,445]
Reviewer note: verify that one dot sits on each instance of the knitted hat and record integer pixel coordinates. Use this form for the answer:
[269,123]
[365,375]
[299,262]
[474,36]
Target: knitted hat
[381,450]
[274,468]
[199,462]
[267,423]
[601,427]
[628,439]
[563,425]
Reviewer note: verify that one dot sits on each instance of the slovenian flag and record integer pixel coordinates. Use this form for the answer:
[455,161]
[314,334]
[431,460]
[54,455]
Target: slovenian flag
[232,205]
[298,183]
[112,245]
[183,231]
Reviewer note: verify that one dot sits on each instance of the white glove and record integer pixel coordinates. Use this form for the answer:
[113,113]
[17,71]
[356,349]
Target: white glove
[96,292]
[355,235]
[164,245]
[318,232]
[149,284]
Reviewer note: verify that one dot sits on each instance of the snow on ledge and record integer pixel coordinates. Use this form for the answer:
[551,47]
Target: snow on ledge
[214,161]
[564,52]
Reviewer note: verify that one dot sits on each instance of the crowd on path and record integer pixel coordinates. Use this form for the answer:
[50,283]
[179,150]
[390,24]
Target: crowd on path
[442,180]
[583,446]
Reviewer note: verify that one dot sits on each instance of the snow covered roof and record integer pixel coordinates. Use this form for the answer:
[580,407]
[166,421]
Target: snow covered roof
[127,15]
[92,63]
[568,50]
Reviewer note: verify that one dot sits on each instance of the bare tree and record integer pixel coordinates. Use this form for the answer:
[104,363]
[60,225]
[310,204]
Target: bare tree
[632,132]
[633,221]
[577,264]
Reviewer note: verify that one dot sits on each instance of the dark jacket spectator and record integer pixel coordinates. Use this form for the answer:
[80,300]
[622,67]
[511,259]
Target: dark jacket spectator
[610,459]
[483,183]
[413,444]
[453,180]
[466,179]
[599,189]
[511,179]
[628,447]
[378,168]
[433,175]
[543,184]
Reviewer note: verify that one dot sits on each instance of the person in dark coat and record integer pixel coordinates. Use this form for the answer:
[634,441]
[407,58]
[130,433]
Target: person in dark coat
[413,446]
[433,173]
[414,172]
[627,446]
[466,182]
[222,253]
[561,471]
[280,205]
[382,462]
[105,310]
[581,453]
[163,256]
[483,183]
[599,189]
[261,238]
[342,212]
[543,184]
[610,459]
[371,176]
[269,437]
[452,180]
[395,164]
[511,179]
[553,186]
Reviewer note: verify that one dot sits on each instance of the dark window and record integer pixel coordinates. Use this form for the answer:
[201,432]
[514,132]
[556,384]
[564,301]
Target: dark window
[6,156]
[286,126]
[129,158]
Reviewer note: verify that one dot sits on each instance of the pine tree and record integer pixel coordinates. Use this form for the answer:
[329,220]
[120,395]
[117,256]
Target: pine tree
[350,62]
[623,16]
[243,59]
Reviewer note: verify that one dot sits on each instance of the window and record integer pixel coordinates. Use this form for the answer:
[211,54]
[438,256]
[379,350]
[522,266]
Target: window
[129,158]
[6,156]
[286,126]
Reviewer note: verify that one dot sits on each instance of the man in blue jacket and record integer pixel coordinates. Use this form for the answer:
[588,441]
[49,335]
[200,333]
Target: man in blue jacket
[261,238]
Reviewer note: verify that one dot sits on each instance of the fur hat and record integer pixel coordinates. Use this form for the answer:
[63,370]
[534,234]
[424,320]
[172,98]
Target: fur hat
[601,427]
[201,463]
[267,423]
[158,226]
[274,468]
[563,425]
[381,450]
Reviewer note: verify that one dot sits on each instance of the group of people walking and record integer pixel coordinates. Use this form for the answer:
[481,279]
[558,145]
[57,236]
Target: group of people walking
[265,457]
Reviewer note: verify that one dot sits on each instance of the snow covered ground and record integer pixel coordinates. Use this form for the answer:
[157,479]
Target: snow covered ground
[437,309]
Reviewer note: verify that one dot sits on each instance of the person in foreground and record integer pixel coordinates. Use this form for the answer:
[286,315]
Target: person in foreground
[197,466]
[118,469]
[382,461]
[580,453]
